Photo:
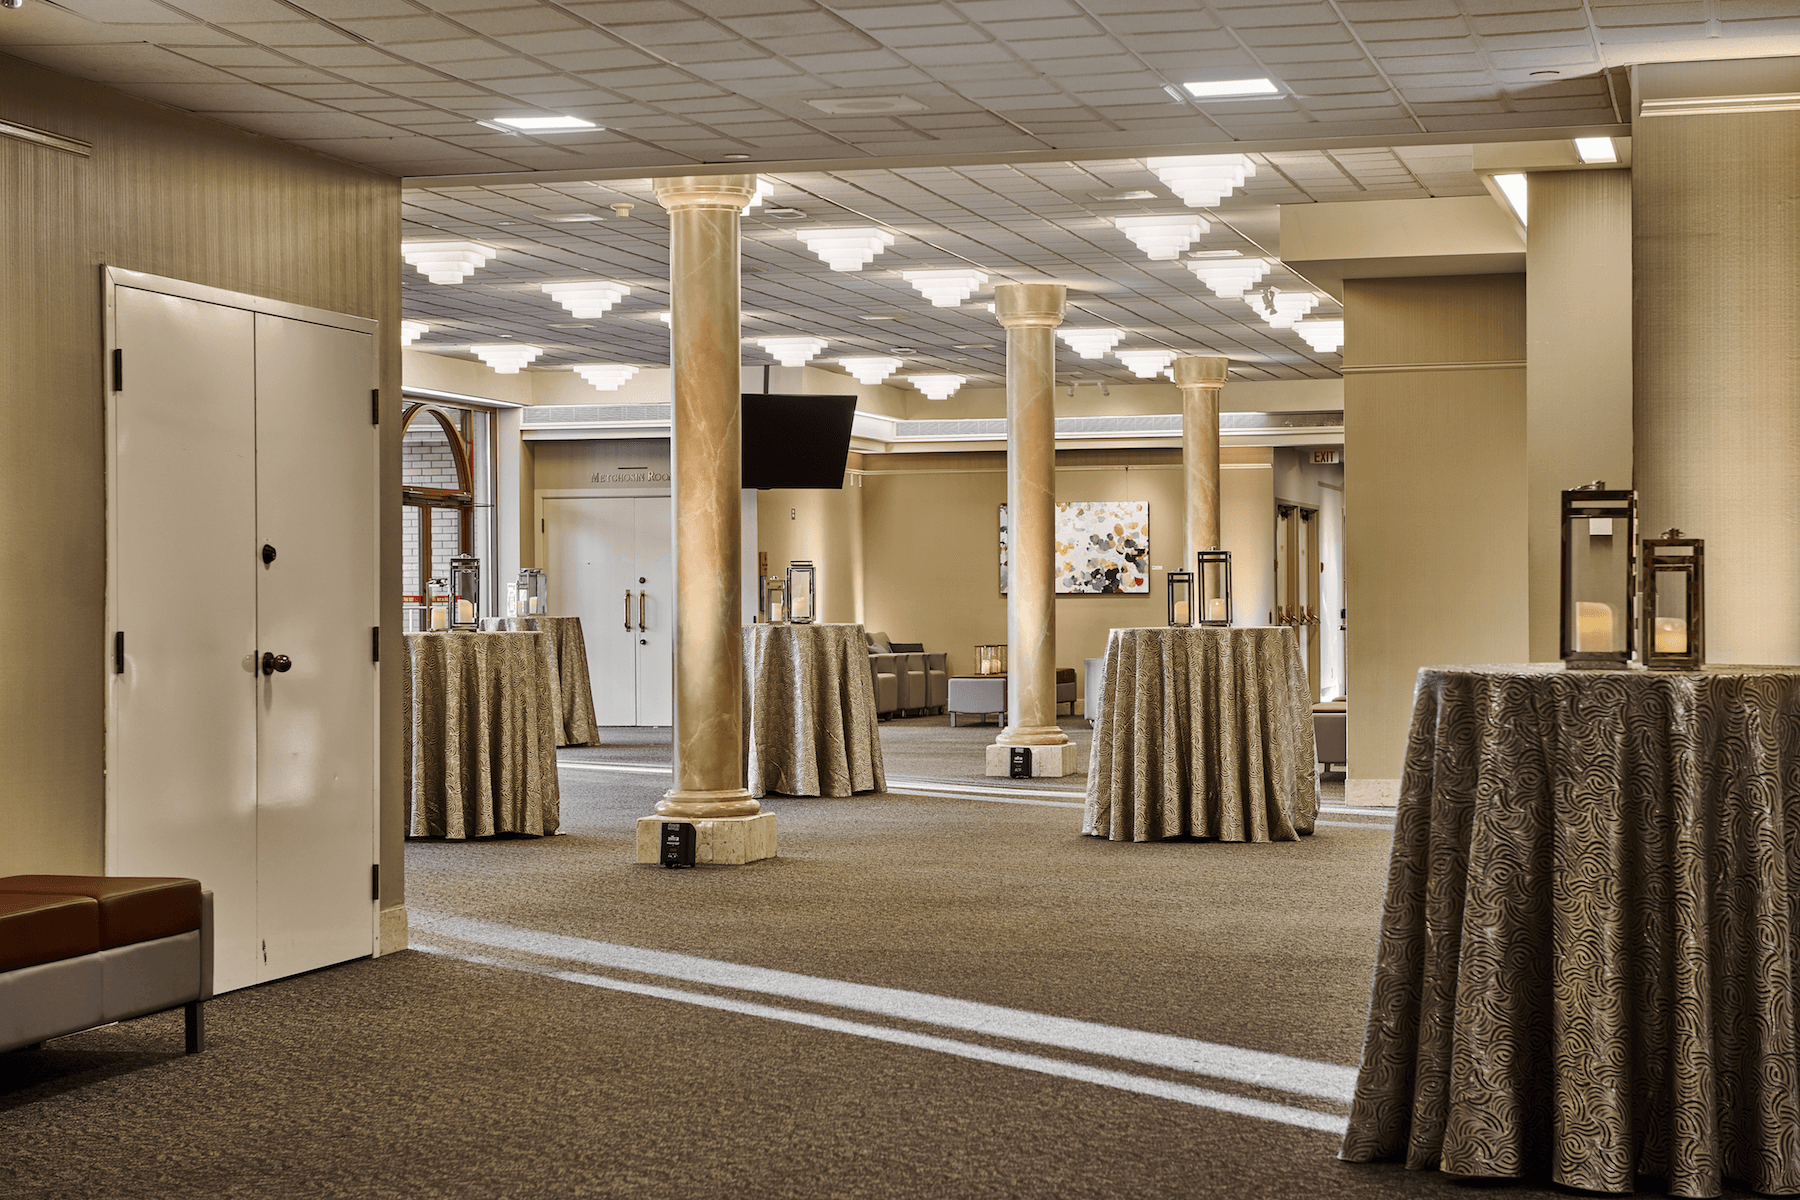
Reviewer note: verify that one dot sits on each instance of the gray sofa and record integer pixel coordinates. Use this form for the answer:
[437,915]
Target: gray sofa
[908,681]
[79,951]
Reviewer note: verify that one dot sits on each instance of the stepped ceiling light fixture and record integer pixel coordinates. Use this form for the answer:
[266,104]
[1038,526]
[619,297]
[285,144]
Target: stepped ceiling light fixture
[870,370]
[587,299]
[946,289]
[938,387]
[507,358]
[1163,238]
[792,351]
[1281,309]
[1091,343]
[447,262]
[846,249]
[1202,180]
[1146,364]
[412,331]
[1323,336]
[607,377]
[1229,277]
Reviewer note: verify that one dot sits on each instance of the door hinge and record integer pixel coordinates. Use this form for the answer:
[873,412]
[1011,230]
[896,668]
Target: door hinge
[119,652]
[374,406]
[374,881]
[118,365]
[375,643]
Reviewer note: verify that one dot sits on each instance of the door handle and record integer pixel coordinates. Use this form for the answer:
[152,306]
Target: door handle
[627,610]
[641,596]
[272,663]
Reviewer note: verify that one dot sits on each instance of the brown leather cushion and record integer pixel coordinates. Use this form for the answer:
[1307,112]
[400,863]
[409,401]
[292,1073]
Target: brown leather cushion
[39,929]
[132,908]
[1065,674]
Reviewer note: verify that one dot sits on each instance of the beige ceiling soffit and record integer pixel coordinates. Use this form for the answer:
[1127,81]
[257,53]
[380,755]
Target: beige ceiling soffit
[1498,364]
[1449,137]
[1508,157]
[1389,239]
[43,137]
[1715,86]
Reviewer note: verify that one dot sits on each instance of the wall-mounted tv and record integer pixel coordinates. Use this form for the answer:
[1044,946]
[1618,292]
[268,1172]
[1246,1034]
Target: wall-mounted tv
[796,441]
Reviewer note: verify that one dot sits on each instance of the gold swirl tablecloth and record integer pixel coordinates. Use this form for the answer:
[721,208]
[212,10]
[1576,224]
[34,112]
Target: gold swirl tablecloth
[809,711]
[1588,953]
[1203,731]
[479,753]
[574,698]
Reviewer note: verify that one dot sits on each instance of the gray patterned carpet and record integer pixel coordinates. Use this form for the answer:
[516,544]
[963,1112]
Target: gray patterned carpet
[489,1064]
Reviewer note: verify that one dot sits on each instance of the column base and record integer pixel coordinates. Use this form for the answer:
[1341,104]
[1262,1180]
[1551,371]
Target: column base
[1051,761]
[720,842]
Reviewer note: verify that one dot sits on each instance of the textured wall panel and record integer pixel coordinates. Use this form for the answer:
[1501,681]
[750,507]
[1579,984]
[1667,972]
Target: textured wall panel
[1717,416]
[172,195]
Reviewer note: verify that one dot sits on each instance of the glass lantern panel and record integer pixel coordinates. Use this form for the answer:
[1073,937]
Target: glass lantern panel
[1671,622]
[1599,554]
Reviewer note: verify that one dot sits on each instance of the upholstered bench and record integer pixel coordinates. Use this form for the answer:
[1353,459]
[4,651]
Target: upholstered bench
[77,951]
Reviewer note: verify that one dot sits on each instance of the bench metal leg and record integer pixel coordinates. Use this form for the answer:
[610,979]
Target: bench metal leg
[196,1026]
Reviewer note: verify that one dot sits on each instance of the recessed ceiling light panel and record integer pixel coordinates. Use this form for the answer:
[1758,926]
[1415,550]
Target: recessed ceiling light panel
[1225,89]
[1596,150]
[861,105]
[542,124]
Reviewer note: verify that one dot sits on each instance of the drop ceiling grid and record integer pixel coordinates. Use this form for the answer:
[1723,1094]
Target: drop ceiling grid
[974,214]
[401,87]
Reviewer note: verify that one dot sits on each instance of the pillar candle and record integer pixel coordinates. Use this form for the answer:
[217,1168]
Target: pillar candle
[465,612]
[1215,609]
[1593,626]
[440,618]
[1181,609]
[1671,635]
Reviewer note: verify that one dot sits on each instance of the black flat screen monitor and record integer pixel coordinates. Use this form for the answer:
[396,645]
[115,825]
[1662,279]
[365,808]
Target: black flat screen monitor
[796,441]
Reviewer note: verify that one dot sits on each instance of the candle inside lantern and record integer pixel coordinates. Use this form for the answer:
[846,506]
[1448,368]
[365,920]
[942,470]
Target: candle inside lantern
[465,612]
[1215,609]
[1181,609]
[440,618]
[1671,635]
[775,612]
[1593,627]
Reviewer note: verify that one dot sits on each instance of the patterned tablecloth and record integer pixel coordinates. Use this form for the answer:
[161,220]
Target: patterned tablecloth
[1206,732]
[479,756]
[809,711]
[1588,952]
[574,698]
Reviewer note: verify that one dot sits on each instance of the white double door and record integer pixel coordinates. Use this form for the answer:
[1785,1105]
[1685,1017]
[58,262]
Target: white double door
[610,563]
[242,522]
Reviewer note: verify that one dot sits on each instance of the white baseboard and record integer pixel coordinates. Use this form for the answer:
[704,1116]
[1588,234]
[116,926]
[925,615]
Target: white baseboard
[1372,793]
[393,929]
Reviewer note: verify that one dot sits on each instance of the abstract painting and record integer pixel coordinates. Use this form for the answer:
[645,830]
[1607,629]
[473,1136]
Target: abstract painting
[1101,547]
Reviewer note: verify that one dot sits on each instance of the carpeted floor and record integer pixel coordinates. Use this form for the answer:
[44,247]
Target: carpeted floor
[528,1046]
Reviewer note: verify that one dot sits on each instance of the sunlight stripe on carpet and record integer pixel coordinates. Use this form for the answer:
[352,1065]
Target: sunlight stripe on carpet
[1261,1068]
[1124,1081]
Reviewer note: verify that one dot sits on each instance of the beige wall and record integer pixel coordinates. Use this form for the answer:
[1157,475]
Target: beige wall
[1435,496]
[931,558]
[171,195]
[1578,373]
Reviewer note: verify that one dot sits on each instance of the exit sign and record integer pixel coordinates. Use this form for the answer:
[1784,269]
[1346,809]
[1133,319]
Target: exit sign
[1327,456]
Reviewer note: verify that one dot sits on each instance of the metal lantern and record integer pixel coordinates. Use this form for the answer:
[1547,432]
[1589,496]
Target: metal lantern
[802,592]
[1599,576]
[1181,598]
[1213,577]
[437,606]
[465,592]
[540,592]
[1674,600]
[775,600]
[990,660]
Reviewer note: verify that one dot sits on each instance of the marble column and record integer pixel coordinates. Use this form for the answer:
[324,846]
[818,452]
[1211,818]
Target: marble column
[1200,379]
[1031,312]
[709,789]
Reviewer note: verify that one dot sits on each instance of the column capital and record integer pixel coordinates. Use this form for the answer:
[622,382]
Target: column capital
[1030,303]
[1200,370]
[705,191]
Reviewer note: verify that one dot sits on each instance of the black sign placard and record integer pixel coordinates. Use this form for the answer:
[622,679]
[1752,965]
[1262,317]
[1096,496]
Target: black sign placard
[677,844]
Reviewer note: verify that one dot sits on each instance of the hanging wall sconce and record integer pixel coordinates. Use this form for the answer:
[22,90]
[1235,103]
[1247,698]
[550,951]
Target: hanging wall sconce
[1599,577]
[1674,600]
[1213,577]
[802,592]
[1181,598]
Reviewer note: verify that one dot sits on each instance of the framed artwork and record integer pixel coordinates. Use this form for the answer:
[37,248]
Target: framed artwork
[1102,548]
